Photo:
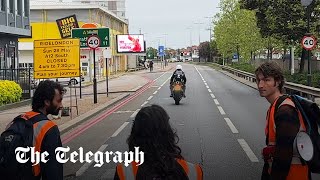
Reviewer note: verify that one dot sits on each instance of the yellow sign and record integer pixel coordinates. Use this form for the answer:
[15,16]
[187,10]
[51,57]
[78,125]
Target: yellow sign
[56,58]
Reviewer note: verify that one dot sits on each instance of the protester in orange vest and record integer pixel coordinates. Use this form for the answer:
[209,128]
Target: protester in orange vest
[283,122]
[152,133]
[47,99]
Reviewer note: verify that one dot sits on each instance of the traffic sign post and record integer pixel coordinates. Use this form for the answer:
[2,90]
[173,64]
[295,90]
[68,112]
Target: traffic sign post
[308,43]
[93,42]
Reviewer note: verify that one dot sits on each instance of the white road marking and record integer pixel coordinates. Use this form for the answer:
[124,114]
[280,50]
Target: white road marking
[205,81]
[212,95]
[150,98]
[159,88]
[155,92]
[160,76]
[209,90]
[231,126]
[221,110]
[216,101]
[122,112]
[135,113]
[87,165]
[120,129]
[207,86]
[248,150]
[146,102]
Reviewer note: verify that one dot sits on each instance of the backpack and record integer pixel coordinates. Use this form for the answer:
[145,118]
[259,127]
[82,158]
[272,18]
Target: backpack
[18,134]
[311,117]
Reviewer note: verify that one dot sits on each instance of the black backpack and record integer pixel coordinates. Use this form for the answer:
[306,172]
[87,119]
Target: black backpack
[18,134]
[311,117]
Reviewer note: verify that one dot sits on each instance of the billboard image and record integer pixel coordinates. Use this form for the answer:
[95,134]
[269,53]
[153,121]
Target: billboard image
[127,43]
[66,24]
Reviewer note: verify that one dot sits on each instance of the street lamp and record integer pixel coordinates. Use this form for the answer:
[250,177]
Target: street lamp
[210,29]
[306,3]
[199,29]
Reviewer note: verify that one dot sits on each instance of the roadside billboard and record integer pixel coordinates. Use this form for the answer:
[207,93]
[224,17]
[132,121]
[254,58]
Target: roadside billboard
[128,43]
[56,58]
[66,24]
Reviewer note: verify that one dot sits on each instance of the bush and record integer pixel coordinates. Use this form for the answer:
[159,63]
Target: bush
[244,67]
[10,92]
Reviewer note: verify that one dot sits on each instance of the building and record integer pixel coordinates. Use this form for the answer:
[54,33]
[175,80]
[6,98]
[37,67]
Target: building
[14,23]
[44,26]
[118,7]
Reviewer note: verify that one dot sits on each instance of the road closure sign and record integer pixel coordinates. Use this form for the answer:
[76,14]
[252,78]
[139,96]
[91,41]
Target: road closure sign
[56,58]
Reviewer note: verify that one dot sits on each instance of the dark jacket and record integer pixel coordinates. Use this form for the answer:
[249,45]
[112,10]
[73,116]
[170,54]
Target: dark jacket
[178,74]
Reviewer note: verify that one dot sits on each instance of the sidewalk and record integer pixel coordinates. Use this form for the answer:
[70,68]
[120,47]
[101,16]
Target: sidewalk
[118,85]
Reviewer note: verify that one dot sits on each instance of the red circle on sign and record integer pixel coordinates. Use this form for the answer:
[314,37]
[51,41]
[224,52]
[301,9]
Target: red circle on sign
[95,45]
[307,38]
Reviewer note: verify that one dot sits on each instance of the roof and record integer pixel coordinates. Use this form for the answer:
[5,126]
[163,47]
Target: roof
[39,5]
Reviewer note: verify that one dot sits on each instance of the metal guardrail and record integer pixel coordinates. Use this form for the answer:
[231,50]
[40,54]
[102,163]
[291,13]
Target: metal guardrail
[302,90]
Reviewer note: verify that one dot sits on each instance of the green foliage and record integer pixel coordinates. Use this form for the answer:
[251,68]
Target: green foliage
[301,78]
[236,30]
[244,67]
[10,92]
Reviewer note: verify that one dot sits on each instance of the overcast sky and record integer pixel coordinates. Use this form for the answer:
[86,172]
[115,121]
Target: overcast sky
[171,17]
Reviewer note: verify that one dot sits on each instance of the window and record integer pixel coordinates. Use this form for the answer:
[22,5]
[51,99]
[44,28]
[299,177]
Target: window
[112,5]
[11,7]
[19,6]
[26,8]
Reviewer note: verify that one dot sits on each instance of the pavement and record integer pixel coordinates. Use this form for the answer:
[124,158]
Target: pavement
[120,86]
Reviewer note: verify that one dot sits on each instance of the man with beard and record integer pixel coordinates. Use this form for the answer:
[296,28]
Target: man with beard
[47,99]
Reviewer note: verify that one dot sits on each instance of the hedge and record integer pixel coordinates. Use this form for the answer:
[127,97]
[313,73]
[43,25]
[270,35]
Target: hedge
[10,92]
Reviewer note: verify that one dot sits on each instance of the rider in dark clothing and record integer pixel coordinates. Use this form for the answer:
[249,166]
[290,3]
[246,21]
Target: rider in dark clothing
[178,75]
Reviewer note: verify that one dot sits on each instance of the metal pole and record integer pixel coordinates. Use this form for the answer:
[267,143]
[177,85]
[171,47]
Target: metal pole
[309,59]
[210,45]
[94,78]
[292,60]
[107,77]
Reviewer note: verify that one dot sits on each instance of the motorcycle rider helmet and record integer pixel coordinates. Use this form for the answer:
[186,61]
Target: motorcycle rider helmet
[178,67]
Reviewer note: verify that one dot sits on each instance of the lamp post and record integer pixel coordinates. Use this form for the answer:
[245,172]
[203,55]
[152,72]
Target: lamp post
[306,3]
[210,29]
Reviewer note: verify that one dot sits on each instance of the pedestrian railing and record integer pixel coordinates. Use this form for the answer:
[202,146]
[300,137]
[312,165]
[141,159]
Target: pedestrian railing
[302,90]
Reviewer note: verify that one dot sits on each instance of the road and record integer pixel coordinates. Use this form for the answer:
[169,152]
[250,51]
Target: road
[220,125]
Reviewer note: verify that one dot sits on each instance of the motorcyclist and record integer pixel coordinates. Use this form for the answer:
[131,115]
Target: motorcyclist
[178,75]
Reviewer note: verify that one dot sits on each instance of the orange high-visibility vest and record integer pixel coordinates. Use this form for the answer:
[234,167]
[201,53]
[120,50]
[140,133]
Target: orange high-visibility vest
[39,131]
[297,170]
[193,171]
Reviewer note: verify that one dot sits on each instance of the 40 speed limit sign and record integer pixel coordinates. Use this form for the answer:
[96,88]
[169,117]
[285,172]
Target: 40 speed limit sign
[308,42]
[93,42]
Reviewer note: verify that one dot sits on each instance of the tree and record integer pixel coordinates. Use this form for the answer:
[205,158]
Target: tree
[204,50]
[284,20]
[235,30]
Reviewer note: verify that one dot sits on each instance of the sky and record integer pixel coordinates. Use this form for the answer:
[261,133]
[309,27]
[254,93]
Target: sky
[171,22]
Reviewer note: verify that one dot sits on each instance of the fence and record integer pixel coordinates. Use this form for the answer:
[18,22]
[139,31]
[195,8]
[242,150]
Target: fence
[22,76]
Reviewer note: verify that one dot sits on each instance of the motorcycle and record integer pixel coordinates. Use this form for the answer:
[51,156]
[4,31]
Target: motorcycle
[177,92]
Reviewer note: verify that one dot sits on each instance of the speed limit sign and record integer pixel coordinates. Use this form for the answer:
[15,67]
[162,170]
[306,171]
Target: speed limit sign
[93,42]
[308,42]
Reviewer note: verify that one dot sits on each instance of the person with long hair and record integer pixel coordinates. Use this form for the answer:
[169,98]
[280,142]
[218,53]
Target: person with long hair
[152,133]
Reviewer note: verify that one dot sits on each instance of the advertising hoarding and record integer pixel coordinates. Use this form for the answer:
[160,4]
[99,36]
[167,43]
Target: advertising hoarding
[129,43]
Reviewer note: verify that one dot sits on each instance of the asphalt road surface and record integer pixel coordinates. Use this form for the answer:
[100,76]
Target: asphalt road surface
[220,125]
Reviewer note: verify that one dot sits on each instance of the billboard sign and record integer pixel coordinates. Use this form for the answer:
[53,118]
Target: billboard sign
[56,58]
[127,43]
[65,25]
